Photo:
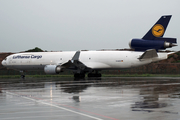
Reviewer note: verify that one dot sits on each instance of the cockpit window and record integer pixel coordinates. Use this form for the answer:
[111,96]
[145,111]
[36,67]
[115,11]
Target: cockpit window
[5,59]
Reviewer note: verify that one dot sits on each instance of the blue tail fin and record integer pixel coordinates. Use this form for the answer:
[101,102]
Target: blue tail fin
[154,37]
[158,29]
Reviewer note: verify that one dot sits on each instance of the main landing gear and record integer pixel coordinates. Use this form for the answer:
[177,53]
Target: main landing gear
[82,75]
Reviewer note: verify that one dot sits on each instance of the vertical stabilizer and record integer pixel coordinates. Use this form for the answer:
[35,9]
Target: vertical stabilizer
[158,29]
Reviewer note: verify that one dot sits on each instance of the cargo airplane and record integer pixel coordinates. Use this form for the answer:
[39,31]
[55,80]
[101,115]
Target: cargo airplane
[143,51]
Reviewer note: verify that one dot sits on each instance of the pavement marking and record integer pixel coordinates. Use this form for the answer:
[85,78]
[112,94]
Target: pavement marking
[34,117]
[14,112]
[50,104]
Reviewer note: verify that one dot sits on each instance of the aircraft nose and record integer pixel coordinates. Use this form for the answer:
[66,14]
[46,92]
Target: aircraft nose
[3,63]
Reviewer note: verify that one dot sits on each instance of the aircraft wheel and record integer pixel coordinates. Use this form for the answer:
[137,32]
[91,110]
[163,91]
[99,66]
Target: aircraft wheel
[82,75]
[98,75]
[22,76]
[91,75]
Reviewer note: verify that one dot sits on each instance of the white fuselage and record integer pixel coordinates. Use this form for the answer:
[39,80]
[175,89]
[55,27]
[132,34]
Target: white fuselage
[97,60]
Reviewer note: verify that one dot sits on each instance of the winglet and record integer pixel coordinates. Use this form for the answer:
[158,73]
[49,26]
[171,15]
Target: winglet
[151,53]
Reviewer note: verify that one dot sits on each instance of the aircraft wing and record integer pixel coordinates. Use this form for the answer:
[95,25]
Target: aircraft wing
[148,54]
[74,63]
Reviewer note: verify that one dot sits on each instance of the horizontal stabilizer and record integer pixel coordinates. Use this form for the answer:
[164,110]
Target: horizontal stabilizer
[170,40]
[151,53]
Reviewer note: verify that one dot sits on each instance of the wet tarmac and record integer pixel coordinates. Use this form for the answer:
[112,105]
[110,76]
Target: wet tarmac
[99,99]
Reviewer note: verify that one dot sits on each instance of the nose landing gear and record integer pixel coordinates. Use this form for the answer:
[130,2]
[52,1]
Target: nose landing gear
[22,74]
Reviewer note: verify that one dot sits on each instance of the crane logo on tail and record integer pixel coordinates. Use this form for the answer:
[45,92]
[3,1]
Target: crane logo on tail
[158,30]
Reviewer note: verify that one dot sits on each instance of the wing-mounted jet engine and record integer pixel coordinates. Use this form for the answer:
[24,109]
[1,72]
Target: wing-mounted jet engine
[154,37]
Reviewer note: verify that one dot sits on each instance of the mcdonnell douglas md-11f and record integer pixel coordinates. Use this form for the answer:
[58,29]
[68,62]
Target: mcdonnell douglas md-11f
[145,51]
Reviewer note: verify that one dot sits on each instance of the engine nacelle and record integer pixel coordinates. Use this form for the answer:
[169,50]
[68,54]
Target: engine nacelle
[141,44]
[52,69]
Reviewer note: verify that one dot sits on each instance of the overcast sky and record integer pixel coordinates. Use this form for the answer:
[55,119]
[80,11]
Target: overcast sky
[66,25]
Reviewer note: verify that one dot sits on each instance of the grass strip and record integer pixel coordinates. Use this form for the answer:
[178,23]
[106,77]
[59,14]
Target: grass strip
[103,75]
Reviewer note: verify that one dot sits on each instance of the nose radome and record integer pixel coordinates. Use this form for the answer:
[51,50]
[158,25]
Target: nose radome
[3,63]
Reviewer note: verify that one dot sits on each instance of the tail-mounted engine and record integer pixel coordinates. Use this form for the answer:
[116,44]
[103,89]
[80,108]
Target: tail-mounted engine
[161,44]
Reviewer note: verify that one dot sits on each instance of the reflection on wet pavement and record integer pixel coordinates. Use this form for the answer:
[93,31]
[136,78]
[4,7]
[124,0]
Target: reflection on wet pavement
[106,98]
